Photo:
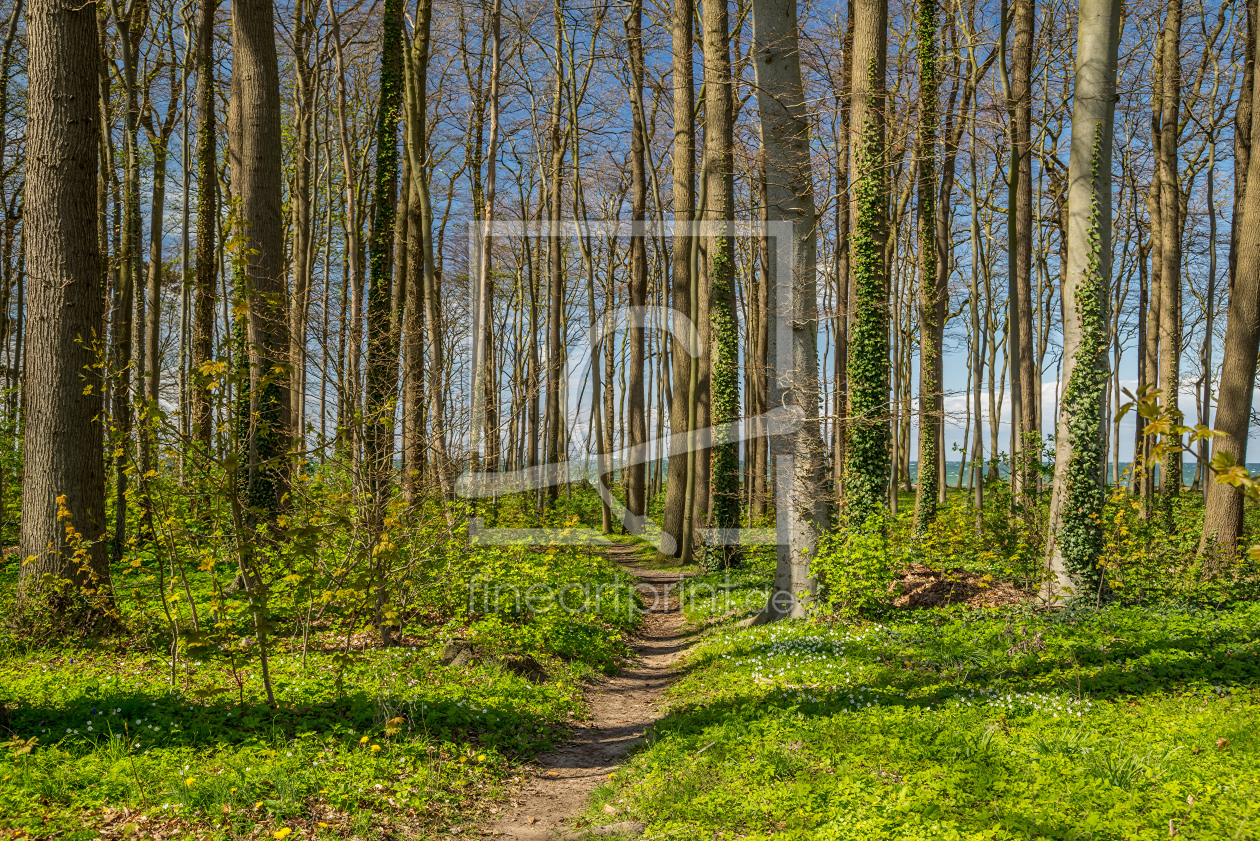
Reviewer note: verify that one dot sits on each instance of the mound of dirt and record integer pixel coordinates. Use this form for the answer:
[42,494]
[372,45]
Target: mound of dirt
[919,586]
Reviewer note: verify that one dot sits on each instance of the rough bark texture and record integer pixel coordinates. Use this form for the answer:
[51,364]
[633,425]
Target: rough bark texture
[790,199]
[255,147]
[1223,518]
[680,282]
[1080,471]
[63,456]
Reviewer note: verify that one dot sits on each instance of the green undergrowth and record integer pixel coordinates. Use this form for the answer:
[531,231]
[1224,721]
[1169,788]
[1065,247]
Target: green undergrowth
[112,739]
[729,593]
[1122,723]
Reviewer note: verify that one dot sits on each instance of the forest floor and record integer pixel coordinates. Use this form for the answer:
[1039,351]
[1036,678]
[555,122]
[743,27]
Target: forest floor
[622,711]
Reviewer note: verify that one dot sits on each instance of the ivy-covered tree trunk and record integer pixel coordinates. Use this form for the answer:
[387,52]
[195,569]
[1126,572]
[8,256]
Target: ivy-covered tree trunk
[382,358]
[866,456]
[932,289]
[1080,456]
[789,187]
[206,282]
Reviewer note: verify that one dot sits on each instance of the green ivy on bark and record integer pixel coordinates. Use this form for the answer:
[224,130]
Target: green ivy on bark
[1080,535]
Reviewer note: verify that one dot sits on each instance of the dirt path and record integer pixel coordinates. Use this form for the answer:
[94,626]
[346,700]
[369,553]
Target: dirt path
[622,710]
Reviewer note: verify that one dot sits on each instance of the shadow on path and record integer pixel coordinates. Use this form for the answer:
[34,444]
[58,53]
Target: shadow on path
[623,708]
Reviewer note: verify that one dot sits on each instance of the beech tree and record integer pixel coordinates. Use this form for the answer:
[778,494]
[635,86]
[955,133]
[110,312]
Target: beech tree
[790,198]
[1076,508]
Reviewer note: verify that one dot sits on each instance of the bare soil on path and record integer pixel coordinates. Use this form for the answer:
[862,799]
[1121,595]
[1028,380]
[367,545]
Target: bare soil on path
[622,710]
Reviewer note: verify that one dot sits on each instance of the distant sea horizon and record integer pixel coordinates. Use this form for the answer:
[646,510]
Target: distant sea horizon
[952,468]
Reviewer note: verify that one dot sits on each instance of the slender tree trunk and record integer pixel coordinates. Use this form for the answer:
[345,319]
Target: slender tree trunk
[207,216]
[684,172]
[932,286]
[720,265]
[418,103]
[555,294]
[1170,251]
[844,153]
[300,201]
[636,496]
[488,391]
[1150,352]
[131,23]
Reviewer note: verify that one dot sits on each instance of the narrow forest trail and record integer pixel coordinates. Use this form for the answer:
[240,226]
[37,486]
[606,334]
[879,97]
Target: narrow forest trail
[622,709]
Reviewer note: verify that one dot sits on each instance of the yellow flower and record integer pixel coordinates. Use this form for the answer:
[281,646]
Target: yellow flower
[190,781]
[282,832]
[375,748]
[363,741]
[323,825]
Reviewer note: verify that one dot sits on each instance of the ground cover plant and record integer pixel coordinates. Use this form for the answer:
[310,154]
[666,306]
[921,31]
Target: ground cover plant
[118,737]
[1122,723]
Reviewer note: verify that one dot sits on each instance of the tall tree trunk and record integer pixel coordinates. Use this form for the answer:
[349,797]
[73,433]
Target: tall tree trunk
[1223,517]
[720,266]
[636,467]
[131,22]
[555,267]
[844,153]
[1025,384]
[255,147]
[790,199]
[382,355]
[300,201]
[422,259]
[1080,493]
[1150,353]
[487,392]
[684,166]
[932,286]
[1170,242]
[62,455]
[867,453]
[207,216]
